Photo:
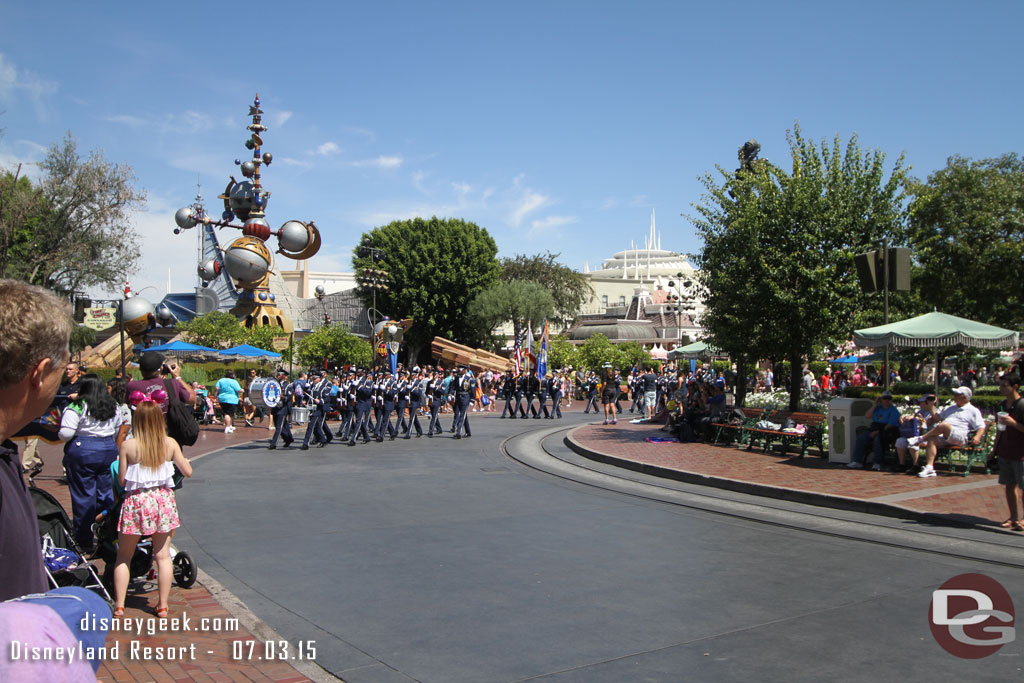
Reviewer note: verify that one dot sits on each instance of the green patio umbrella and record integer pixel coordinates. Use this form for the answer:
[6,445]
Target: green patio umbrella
[693,350]
[935,330]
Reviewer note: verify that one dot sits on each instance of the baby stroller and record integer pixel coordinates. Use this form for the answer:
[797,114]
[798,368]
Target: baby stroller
[63,559]
[141,564]
[203,411]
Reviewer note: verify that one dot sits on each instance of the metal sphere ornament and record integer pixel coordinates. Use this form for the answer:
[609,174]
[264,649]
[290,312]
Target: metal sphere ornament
[267,158]
[184,218]
[209,269]
[294,236]
[227,215]
[138,316]
[164,315]
[392,330]
[248,169]
[247,260]
[241,198]
[320,291]
[256,227]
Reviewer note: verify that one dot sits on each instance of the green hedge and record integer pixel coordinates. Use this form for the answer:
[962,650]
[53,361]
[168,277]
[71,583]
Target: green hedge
[984,401]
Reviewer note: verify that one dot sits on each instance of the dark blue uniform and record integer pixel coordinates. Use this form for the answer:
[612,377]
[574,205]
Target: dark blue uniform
[415,401]
[363,391]
[281,413]
[465,389]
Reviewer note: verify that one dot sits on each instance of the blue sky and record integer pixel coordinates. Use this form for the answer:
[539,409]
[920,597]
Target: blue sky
[558,126]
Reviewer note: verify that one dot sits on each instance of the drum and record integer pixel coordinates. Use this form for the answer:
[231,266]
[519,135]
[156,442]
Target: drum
[300,415]
[265,392]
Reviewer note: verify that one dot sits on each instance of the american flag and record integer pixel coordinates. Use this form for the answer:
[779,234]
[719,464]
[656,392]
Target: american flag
[518,355]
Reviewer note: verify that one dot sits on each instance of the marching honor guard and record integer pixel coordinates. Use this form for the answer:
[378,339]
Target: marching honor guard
[282,411]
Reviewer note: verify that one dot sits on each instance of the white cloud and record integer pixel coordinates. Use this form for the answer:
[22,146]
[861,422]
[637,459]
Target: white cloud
[13,82]
[126,119]
[462,189]
[549,226]
[281,118]
[26,153]
[417,181]
[640,201]
[609,203]
[530,201]
[552,222]
[380,162]
[328,149]
[289,161]
[361,132]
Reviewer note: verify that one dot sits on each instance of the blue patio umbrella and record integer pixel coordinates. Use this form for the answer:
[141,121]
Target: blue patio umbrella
[247,351]
[846,359]
[181,348]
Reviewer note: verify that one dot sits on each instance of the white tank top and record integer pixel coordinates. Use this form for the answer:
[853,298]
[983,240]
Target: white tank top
[138,477]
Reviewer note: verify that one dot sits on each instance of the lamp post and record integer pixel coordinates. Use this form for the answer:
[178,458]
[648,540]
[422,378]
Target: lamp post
[320,293]
[373,279]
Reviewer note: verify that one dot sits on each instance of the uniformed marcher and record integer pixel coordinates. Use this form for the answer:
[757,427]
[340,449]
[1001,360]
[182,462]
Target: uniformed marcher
[363,392]
[555,391]
[416,392]
[545,394]
[465,390]
[532,393]
[348,405]
[388,389]
[402,402]
[436,390]
[282,411]
[508,392]
[520,395]
[592,383]
[318,393]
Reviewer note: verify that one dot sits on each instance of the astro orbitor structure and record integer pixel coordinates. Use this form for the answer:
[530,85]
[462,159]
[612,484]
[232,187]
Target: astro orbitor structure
[248,260]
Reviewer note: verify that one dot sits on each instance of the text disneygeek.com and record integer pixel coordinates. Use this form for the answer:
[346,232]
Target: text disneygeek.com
[241,649]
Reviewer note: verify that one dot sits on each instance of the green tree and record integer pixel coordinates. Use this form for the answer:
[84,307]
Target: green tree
[335,344]
[569,289]
[597,351]
[73,230]
[515,302]
[776,266]
[216,329]
[635,354]
[82,336]
[435,268]
[563,353]
[263,338]
[967,230]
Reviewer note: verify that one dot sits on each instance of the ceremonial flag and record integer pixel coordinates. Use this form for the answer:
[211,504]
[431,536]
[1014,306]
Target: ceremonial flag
[542,358]
[528,350]
[518,356]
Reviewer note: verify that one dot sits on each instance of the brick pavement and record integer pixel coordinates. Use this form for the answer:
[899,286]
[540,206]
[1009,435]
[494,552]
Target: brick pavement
[196,603]
[977,499]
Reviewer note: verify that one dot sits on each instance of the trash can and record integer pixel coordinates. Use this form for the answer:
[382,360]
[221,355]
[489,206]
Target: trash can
[844,416]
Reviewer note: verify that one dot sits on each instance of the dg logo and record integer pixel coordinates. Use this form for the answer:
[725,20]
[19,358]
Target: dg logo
[971,616]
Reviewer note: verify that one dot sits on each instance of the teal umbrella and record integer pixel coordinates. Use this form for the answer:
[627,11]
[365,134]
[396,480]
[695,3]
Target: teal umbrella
[692,351]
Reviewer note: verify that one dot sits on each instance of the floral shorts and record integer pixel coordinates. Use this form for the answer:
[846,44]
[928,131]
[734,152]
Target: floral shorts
[149,511]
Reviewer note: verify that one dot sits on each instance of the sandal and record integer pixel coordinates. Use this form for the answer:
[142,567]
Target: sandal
[119,611]
[161,612]
[1008,524]
[1018,526]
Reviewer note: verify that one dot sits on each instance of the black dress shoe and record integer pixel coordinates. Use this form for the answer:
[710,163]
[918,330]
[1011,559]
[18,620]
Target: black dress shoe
[320,445]
[272,447]
[379,439]
[457,436]
[304,447]
[351,443]
[406,437]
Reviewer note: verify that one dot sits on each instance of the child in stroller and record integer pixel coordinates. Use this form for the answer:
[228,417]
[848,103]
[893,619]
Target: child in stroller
[203,411]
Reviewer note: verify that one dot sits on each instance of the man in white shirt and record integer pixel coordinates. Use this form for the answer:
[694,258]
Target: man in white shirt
[954,425]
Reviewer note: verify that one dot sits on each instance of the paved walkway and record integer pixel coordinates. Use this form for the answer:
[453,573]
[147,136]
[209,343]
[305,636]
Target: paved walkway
[977,499]
[214,647]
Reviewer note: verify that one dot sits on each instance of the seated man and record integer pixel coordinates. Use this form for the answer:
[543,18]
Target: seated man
[954,425]
[885,419]
[907,453]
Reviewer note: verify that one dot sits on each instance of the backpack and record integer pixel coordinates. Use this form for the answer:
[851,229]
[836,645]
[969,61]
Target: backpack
[181,422]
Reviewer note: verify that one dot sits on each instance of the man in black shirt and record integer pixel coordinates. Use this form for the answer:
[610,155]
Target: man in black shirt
[33,351]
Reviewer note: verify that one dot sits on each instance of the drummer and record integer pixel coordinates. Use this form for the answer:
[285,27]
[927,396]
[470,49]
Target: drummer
[281,412]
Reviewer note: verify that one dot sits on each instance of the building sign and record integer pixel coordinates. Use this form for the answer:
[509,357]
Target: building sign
[280,343]
[100,318]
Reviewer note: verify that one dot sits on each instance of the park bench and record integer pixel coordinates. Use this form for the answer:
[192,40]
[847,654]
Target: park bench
[738,431]
[812,436]
[972,454]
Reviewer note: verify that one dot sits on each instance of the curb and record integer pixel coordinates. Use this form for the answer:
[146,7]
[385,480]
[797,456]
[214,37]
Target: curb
[765,490]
